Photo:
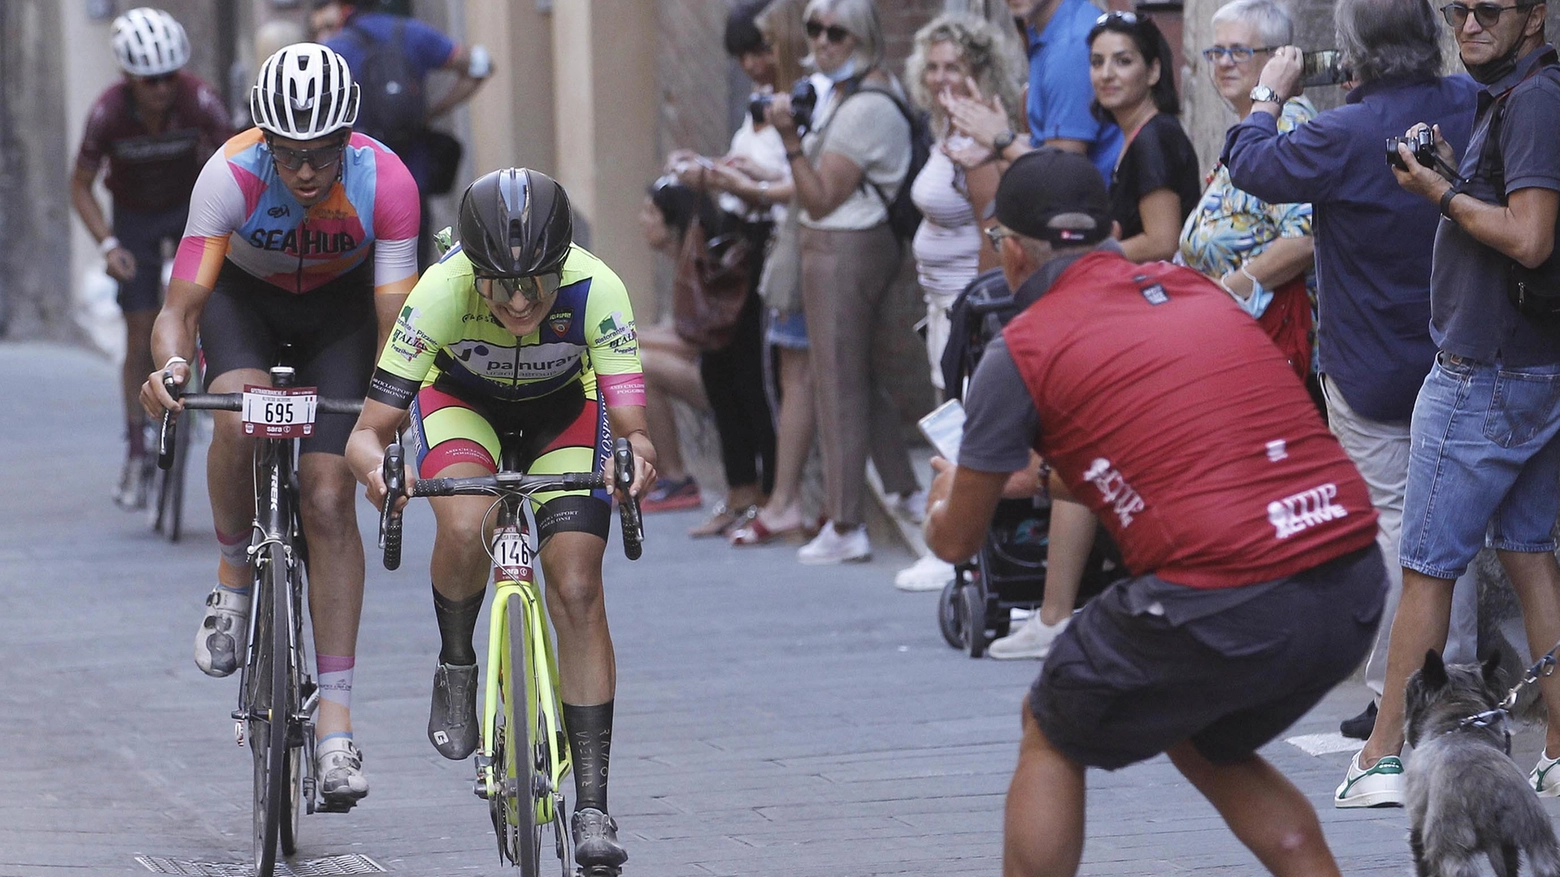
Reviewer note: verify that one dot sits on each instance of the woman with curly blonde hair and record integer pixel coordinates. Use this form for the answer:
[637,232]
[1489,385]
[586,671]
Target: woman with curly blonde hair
[955,56]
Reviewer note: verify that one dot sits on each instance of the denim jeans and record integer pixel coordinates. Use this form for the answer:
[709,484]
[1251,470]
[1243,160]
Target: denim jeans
[1484,464]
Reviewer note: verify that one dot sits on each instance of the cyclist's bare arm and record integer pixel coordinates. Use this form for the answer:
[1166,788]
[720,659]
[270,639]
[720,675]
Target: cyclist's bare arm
[387,306]
[375,430]
[628,421]
[173,335]
[120,264]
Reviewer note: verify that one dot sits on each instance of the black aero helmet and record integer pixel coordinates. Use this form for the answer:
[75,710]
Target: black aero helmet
[516,222]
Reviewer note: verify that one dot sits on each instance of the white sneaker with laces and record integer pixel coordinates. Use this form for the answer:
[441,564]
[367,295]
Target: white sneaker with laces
[832,546]
[1545,784]
[930,573]
[1380,785]
[1033,640]
[910,506]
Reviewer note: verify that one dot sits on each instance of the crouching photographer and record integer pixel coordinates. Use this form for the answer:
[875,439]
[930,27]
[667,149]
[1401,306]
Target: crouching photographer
[1257,584]
[1485,455]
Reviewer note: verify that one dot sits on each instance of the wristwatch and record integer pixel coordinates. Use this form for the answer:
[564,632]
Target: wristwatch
[1002,141]
[1264,95]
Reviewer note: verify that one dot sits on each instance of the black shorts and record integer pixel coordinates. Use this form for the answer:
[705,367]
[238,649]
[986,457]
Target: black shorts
[332,331]
[1148,664]
[142,233]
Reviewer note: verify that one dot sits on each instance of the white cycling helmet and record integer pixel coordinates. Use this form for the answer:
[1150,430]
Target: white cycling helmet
[148,42]
[304,91]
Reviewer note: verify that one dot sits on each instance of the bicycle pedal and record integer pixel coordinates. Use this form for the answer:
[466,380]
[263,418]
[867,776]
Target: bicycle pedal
[336,806]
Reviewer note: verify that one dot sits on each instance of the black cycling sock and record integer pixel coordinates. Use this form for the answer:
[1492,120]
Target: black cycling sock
[590,742]
[457,622]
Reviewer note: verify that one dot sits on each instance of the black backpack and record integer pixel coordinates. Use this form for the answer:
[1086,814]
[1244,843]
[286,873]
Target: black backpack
[903,216]
[393,108]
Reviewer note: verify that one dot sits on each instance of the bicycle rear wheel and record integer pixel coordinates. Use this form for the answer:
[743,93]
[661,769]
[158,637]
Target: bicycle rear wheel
[521,836]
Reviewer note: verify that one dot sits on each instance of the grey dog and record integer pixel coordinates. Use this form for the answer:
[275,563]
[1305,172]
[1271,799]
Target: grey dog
[1466,798]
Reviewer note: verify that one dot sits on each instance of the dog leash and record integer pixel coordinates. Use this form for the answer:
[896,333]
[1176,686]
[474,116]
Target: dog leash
[1500,717]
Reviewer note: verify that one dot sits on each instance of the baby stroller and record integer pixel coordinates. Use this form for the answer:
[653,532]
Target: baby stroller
[1009,570]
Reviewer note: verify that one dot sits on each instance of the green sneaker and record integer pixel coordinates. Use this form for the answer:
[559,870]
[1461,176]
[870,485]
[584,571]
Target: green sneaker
[1379,786]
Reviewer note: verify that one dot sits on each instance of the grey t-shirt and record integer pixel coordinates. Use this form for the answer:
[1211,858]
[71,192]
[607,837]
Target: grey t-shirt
[869,130]
[1000,420]
[1469,313]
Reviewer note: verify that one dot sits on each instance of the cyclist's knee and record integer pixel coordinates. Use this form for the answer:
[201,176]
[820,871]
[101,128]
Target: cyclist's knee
[577,596]
[330,501]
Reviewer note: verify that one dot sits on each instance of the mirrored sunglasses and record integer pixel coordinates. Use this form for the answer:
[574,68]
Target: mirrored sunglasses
[532,289]
[321,158]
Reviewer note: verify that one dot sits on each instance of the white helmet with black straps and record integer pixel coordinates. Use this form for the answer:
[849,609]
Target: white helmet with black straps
[304,91]
[149,42]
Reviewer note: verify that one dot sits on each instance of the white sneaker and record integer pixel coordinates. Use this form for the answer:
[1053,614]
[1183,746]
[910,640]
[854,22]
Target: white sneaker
[1033,640]
[910,506]
[832,546]
[930,573]
[1545,785]
[1380,785]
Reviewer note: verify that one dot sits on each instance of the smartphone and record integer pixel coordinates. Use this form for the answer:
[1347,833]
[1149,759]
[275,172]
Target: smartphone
[1323,67]
[944,428]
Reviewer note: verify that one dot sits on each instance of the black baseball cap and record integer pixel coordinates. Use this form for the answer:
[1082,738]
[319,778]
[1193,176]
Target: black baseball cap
[1054,196]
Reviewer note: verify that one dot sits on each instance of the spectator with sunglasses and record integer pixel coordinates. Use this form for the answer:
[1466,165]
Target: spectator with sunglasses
[518,330]
[844,174]
[1154,184]
[1373,243]
[1485,438]
[300,233]
[154,129]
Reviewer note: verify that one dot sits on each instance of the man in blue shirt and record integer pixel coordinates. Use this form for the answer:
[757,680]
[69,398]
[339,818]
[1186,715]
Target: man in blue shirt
[1373,250]
[352,32]
[1056,33]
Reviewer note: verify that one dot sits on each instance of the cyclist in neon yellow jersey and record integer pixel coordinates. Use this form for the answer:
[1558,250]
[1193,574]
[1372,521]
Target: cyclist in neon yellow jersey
[518,330]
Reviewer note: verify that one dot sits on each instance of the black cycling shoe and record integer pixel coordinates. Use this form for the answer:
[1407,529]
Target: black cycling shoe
[1361,725]
[452,719]
[596,847]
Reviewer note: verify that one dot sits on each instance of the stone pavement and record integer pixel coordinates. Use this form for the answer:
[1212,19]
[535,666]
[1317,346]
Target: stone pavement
[772,719]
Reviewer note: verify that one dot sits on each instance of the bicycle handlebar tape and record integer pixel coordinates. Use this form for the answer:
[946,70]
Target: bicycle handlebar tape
[628,510]
[389,518]
[170,426]
[433,487]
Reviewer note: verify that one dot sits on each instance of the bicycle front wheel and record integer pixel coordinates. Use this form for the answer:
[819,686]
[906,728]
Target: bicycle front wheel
[521,835]
[270,709]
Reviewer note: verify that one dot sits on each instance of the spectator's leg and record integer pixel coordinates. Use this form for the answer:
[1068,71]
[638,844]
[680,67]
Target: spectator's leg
[1042,831]
[1536,579]
[671,372]
[734,382]
[1264,810]
[1071,538]
[890,455]
[793,441]
[837,321]
[1423,615]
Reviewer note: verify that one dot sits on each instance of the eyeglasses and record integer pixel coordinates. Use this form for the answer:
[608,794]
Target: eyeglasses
[996,233]
[835,33]
[1238,54]
[1486,14]
[1129,19]
[532,289]
[321,158]
[159,80]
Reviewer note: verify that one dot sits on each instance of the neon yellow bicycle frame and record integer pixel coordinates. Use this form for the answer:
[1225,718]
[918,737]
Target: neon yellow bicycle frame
[515,586]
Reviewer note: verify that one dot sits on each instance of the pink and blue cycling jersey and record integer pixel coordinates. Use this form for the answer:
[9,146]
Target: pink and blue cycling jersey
[240,210]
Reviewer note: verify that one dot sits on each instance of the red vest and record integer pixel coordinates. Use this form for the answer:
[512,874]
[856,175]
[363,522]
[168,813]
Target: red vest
[1168,411]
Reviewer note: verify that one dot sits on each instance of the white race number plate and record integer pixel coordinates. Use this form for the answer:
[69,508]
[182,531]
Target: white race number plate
[272,412]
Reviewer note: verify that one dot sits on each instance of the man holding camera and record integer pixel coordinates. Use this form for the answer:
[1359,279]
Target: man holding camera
[1485,455]
[1257,583]
[1373,249]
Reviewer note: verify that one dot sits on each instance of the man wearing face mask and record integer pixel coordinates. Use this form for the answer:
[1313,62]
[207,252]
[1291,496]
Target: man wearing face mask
[1485,438]
[303,233]
[518,330]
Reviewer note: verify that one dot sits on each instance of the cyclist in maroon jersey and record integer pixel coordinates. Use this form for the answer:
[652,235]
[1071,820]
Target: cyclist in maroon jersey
[155,129]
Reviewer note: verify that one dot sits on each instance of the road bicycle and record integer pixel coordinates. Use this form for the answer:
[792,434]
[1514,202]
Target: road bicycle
[277,693]
[524,755]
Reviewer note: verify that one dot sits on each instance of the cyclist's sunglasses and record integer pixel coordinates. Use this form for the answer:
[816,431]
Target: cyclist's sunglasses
[1486,14]
[835,33]
[158,80]
[532,289]
[321,158]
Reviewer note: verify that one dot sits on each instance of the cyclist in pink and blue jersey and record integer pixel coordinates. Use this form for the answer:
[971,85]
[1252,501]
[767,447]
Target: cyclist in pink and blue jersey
[301,233]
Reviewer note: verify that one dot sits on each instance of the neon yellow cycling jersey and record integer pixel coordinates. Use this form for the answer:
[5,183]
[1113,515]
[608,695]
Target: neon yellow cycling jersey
[446,328]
